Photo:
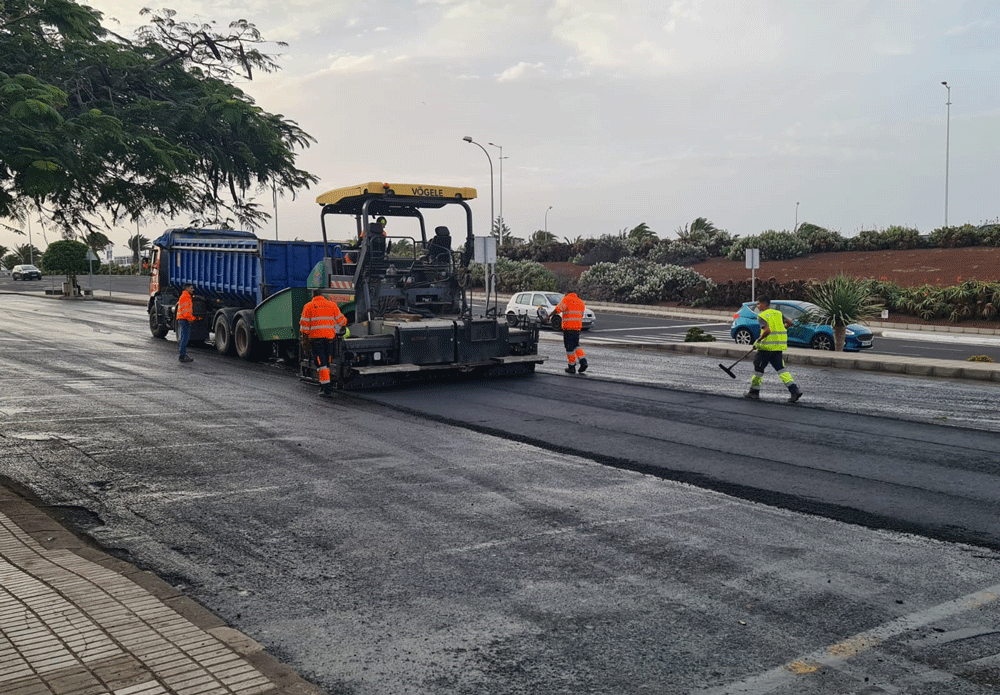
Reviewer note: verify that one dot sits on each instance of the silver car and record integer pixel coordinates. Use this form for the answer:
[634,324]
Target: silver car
[26,272]
[523,308]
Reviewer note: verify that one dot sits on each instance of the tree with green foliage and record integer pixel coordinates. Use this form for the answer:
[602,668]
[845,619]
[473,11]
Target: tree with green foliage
[98,125]
[3,250]
[68,257]
[843,300]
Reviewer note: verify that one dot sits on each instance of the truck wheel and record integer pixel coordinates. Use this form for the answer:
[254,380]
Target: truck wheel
[156,327]
[246,341]
[223,336]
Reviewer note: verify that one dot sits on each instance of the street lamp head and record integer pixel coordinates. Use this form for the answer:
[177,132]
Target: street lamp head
[468,138]
[945,84]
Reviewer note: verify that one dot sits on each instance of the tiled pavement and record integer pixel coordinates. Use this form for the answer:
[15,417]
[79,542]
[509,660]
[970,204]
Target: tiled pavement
[74,621]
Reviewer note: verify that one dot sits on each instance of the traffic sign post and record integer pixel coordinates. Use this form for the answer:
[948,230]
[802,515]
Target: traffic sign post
[91,257]
[753,262]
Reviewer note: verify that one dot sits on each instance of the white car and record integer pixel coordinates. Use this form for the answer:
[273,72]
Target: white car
[523,308]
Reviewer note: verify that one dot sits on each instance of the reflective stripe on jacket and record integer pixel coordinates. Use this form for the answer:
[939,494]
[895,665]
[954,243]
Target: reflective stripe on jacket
[185,307]
[321,318]
[571,309]
[777,339]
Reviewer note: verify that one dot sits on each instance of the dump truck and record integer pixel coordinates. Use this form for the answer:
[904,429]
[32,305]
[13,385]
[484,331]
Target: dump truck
[404,290]
[233,273]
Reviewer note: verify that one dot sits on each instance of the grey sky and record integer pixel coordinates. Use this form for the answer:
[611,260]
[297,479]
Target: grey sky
[616,113]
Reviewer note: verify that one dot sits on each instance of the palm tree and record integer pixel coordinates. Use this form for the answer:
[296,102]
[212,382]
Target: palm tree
[137,243]
[27,253]
[3,250]
[641,232]
[842,300]
[542,238]
[96,241]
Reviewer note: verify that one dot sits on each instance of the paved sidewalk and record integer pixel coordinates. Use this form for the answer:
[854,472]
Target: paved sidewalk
[75,621]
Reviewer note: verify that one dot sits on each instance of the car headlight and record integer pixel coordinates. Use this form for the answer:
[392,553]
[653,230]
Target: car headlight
[849,332]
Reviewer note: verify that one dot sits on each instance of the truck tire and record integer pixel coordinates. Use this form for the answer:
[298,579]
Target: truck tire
[245,339]
[157,326]
[223,335]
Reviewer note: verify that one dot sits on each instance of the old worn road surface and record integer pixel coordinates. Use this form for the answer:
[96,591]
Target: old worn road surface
[533,536]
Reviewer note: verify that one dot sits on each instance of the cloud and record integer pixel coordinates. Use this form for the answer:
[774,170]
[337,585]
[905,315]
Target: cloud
[520,71]
[350,63]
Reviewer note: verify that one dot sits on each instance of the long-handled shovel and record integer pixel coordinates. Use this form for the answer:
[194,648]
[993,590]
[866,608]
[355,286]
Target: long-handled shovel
[729,370]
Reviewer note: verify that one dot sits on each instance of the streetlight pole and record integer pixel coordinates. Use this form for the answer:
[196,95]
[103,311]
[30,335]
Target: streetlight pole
[501,158]
[547,220]
[468,138]
[31,249]
[947,153]
[796,228]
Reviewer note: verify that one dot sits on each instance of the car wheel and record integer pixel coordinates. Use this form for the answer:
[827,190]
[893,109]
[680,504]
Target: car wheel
[512,319]
[223,335]
[743,336]
[556,322]
[822,341]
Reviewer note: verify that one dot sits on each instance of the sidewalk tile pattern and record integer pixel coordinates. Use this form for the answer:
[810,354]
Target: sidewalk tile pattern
[71,627]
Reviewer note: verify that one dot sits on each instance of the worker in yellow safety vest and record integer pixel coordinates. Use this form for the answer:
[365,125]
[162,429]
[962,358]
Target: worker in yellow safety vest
[771,347]
[321,323]
[571,309]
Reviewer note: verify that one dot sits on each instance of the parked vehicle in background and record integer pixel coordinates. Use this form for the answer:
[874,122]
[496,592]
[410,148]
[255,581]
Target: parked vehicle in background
[746,327]
[523,308]
[25,272]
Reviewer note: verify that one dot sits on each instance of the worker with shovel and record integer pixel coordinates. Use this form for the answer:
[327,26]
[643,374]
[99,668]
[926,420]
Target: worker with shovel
[771,346]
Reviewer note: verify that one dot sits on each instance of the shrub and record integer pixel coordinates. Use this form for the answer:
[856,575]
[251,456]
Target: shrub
[954,237]
[820,240]
[697,335]
[668,252]
[980,358]
[636,281]
[774,246]
[516,276]
[892,238]
[608,249]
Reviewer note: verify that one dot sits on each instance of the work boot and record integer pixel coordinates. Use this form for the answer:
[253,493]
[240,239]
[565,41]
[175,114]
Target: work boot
[583,365]
[796,394]
[185,358]
[571,369]
[326,391]
[752,394]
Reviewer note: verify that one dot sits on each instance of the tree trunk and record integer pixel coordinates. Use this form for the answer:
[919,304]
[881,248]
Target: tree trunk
[839,337]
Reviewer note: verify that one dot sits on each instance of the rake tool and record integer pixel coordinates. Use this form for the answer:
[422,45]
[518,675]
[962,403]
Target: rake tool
[729,370]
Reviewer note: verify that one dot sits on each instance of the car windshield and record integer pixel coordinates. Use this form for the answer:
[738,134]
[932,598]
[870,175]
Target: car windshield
[28,267]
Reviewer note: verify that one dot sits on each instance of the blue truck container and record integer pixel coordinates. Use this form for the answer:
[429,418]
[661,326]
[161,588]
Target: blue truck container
[232,272]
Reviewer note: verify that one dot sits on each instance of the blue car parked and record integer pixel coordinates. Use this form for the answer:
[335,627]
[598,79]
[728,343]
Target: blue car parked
[746,328]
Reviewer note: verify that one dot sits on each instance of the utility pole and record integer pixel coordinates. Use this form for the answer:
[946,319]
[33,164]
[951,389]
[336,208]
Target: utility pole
[947,152]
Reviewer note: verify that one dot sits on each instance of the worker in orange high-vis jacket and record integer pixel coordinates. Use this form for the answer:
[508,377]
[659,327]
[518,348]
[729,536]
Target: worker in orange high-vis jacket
[185,315]
[321,323]
[571,309]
